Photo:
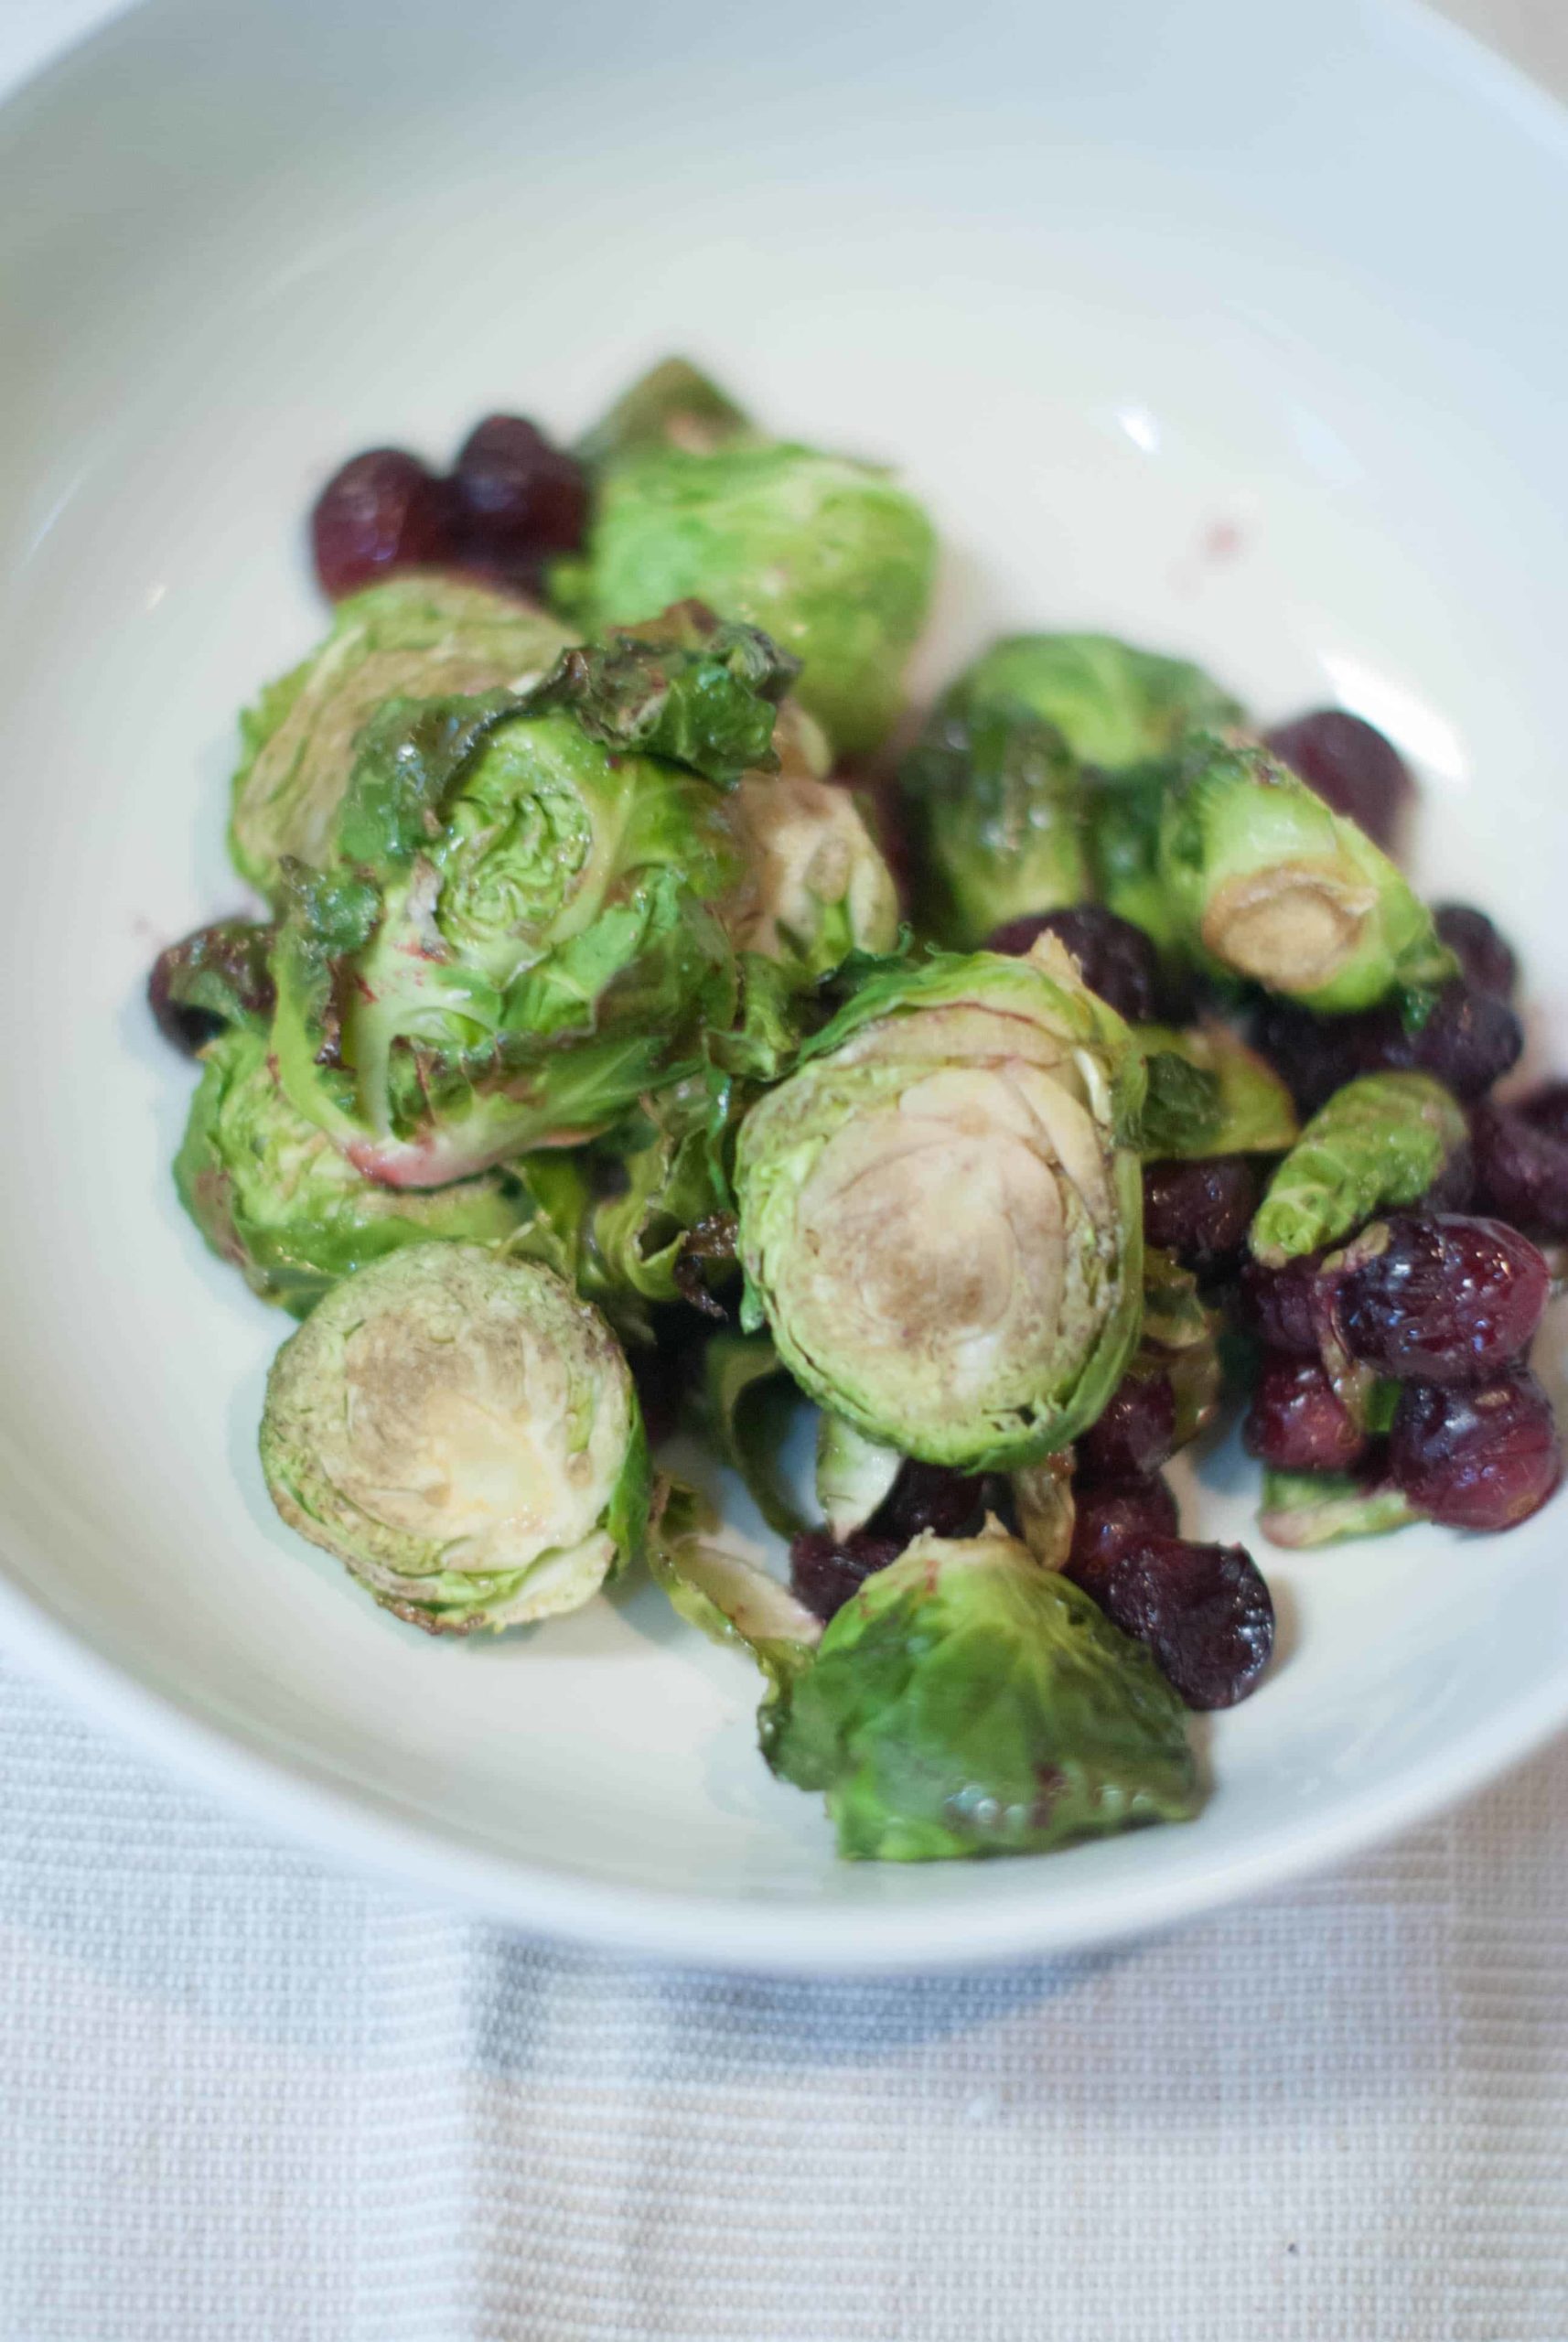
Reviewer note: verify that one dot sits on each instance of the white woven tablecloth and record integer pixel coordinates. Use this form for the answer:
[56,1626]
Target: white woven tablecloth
[241,2096]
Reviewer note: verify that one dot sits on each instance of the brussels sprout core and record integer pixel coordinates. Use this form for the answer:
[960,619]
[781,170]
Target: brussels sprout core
[462,1432]
[1293,927]
[940,1213]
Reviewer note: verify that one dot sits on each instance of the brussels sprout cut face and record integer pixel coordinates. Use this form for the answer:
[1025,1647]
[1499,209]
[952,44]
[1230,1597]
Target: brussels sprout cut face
[416,637]
[462,1432]
[941,1211]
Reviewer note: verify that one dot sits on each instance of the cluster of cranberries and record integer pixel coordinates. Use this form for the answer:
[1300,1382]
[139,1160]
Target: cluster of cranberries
[510,503]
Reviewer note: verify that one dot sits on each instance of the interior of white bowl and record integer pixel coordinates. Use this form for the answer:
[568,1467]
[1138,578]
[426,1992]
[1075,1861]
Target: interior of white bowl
[1186,322]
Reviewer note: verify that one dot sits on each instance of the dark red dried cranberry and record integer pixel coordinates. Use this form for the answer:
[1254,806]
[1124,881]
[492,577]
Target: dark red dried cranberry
[931,1498]
[1203,1610]
[1470,1040]
[1454,1189]
[1521,1170]
[1117,959]
[1107,1519]
[1134,1433]
[1545,1108]
[1486,960]
[1315,1055]
[218,976]
[826,1571]
[1449,1300]
[517,499]
[1282,1305]
[1298,1421]
[1352,768]
[384,511]
[1484,1458]
[1200,1212]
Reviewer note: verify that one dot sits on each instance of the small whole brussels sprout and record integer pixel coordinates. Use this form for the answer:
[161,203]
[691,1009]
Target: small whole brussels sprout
[1115,707]
[970,1701]
[830,555]
[996,807]
[521,931]
[1266,883]
[272,1194]
[816,887]
[941,1209]
[462,1432]
[418,636]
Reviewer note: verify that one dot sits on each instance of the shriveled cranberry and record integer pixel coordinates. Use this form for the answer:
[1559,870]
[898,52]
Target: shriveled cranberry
[384,511]
[1470,1040]
[1521,1170]
[211,979]
[827,1570]
[1449,1300]
[1298,1421]
[1546,1108]
[1315,1055]
[1281,1305]
[1117,959]
[1454,1189]
[517,499]
[1483,1458]
[1134,1433]
[1109,1518]
[1203,1610]
[1351,766]
[931,1498]
[1486,960]
[1200,1212]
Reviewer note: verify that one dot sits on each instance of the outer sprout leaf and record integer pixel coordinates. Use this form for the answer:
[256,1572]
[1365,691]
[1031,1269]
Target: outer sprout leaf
[995,800]
[1303,1510]
[1378,1143]
[682,686]
[1116,707]
[1230,1100]
[750,1405]
[674,404]
[728,1599]
[854,1473]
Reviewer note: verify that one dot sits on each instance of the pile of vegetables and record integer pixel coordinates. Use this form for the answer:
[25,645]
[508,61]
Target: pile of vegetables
[634,1040]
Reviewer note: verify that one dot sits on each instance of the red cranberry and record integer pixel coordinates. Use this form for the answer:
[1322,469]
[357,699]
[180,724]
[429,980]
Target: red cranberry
[1521,1170]
[931,1498]
[827,1570]
[1107,1519]
[1203,1610]
[1546,1109]
[1200,1212]
[1352,768]
[1454,1189]
[384,511]
[1470,1040]
[1282,1305]
[1134,1433]
[517,499]
[1298,1421]
[1484,1458]
[1447,1300]
[1314,1054]
[1117,959]
[1485,961]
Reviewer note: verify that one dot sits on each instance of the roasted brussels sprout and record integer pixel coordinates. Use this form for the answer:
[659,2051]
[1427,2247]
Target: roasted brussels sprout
[272,1194]
[1266,883]
[1115,707]
[1210,1094]
[830,555]
[462,1432]
[854,1473]
[674,404]
[816,886]
[1305,1509]
[968,1701]
[419,635]
[941,1209]
[521,931]
[729,1599]
[1378,1143]
[996,809]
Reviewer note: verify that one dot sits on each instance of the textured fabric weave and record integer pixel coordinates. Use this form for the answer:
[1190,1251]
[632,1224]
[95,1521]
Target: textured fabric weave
[242,2098]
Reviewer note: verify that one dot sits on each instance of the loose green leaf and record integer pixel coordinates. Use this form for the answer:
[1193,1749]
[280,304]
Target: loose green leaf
[674,404]
[854,1473]
[1304,1509]
[1378,1144]
[681,686]
[750,1405]
[1210,1094]
[728,1599]
[1180,1340]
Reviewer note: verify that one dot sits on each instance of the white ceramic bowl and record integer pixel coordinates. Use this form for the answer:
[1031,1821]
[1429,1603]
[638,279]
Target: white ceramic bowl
[1235,328]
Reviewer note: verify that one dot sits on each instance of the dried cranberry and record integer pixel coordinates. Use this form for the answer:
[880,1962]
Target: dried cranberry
[1282,1305]
[1546,1108]
[1447,1300]
[1298,1421]
[517,499]
[1486,960]
[1203,1610]
[1200,1212]
[1484,1458]
[1117,959]
[384,511]
[1107,1519]
[1315,1055]
[826,1571]
[1521,1170]
[1454,1189]
[1352,768]
[931,1498]
[1134,1433]
[1470,1040]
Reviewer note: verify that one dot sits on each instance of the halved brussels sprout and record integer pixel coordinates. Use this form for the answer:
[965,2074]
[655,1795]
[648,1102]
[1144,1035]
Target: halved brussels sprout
[830,555]
[940,1210]
[418,636]
[996,808]
[816,886]
[462,1432]
[1266,883]
[272,1194]
[1116,707]
[968,1701]
[1378,1143]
